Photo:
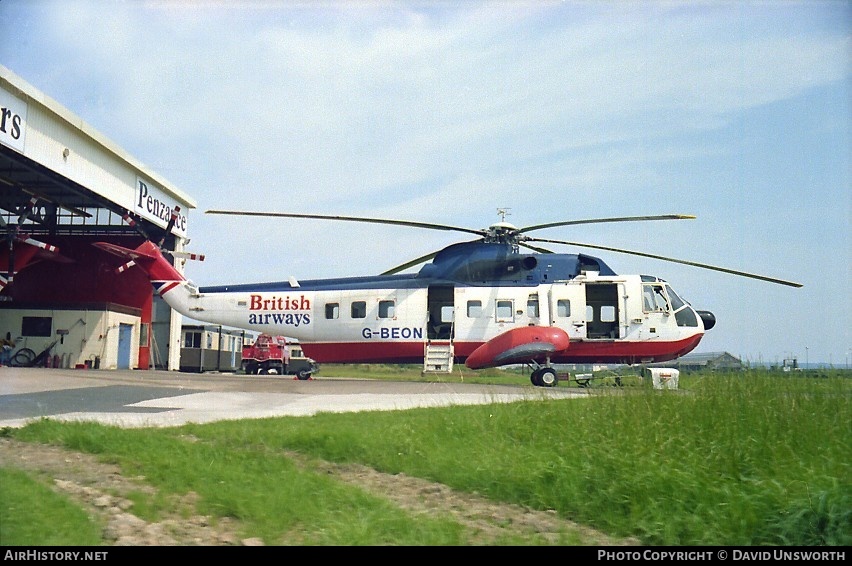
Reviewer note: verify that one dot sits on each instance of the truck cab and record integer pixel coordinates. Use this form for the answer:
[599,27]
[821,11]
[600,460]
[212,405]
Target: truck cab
[275,355]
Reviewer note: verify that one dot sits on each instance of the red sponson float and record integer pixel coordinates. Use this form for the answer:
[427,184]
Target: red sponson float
[519,345]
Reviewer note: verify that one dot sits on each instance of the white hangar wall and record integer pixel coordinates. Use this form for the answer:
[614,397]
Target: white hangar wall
[44,132]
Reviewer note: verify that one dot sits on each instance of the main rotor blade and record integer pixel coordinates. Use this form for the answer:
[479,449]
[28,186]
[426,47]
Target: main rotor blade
[602,220]
[685,262]
[535,248]
[408,264]
[428,225]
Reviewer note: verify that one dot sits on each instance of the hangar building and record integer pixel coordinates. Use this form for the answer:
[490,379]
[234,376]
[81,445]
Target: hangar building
[63,186]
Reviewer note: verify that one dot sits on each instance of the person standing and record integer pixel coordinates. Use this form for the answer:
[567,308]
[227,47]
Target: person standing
[6,347]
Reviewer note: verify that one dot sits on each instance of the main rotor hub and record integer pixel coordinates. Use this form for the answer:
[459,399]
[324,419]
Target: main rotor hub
[502,233]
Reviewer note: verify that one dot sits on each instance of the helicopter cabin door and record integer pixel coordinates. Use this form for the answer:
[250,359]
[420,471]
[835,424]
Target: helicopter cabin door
[441,312]
[602,311]
[567,308]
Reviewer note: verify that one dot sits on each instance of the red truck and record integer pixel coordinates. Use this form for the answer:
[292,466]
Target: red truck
[275,355]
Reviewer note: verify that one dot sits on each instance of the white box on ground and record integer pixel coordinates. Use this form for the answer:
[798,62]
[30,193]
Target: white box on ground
[664,378]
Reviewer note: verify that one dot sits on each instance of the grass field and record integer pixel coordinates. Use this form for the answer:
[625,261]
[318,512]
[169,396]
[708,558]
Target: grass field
[752,458]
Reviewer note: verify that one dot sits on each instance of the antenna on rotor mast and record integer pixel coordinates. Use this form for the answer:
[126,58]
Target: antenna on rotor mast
[504,212]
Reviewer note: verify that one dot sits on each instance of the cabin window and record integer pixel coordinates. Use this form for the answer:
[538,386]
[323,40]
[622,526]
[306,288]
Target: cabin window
[332,311]
[532,306]
[607,313]
[505,310]
[359,309]
[563,308]
[192,340]
[386,309]
[474,309]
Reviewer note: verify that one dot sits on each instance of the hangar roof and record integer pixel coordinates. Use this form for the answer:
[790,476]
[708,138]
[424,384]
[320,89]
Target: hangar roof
[67,205]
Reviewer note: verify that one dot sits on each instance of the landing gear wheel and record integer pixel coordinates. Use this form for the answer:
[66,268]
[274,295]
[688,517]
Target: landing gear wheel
[303,375]
[535,378]
[547,377]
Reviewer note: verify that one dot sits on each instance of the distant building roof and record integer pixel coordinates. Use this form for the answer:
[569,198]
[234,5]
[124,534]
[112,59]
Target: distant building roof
[706,356]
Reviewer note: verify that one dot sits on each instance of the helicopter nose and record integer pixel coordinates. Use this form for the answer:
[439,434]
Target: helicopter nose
[708,318]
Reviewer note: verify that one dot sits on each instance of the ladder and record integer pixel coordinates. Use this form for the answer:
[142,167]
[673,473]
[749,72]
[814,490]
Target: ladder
[438,356]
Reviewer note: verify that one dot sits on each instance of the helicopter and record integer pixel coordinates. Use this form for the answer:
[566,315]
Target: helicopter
[21,250]
[500,299]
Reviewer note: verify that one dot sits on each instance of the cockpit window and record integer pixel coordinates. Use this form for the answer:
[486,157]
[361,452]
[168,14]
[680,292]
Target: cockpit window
[654,298]
[684,315]
[677,302]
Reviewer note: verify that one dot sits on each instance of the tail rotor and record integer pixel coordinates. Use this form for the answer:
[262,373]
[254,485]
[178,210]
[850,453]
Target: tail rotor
[131,221]
[169,226]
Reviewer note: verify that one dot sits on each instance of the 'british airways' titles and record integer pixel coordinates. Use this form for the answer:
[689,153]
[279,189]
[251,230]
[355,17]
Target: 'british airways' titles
[279,307]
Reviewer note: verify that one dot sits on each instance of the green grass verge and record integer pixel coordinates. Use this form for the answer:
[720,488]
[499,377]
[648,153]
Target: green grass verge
[754,458]
[32,514]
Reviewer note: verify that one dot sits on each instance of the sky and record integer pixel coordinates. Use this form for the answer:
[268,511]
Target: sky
[735,112]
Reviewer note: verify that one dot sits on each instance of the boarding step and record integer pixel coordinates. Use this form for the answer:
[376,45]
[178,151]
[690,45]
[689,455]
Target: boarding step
[438,357]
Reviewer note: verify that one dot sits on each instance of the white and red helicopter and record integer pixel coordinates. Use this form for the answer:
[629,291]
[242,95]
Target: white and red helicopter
[485,303]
